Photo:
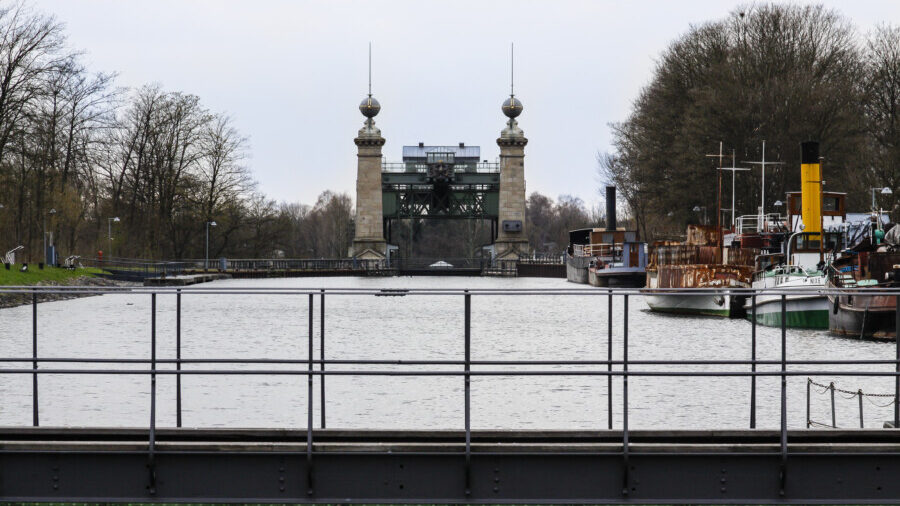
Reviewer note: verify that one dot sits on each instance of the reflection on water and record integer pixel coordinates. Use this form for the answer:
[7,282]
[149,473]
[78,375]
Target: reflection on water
[416,327]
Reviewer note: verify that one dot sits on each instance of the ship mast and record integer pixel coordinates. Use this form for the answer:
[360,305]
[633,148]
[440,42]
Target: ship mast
[733,169]
[719,242]
[762,163]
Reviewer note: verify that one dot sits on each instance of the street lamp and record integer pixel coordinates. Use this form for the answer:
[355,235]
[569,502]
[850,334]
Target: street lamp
[50,212]
[206,263]
[697,209]
[109,222]
[884,191]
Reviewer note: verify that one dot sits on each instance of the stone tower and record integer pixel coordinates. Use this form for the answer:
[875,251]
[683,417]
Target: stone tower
[368,241]
[512,241]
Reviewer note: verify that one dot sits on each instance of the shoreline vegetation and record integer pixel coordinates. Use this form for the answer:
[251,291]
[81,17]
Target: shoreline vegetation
[49,276]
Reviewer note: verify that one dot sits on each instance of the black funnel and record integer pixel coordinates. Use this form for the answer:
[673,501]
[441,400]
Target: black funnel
[610,208]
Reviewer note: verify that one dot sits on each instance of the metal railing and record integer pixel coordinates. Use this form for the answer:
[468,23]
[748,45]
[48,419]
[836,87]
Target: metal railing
[137,270]
[846,394]
[133,269]
[480,167]
[755,223]
[467,368]
[598,250]
[299,264]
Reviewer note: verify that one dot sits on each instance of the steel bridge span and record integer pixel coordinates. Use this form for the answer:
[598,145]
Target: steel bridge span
[206,465]
[327,465]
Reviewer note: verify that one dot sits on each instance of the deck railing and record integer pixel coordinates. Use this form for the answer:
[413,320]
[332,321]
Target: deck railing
[465,368]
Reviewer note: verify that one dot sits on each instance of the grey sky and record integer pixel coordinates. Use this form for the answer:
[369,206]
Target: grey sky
[291,73]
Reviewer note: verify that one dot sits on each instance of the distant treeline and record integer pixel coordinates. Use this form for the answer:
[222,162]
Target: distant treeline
[76,152]
[779,73]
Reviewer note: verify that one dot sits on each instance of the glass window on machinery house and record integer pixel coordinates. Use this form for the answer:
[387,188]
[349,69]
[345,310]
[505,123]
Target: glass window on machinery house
[441,158]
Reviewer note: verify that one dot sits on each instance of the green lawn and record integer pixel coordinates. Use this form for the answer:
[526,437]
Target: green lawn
[13,277]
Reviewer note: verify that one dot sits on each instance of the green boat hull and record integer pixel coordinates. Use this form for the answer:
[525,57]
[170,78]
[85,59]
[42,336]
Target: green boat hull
[809,319]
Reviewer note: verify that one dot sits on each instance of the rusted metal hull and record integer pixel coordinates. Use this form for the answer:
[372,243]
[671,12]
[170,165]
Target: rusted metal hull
[863,316]
[698,276]
[703,276]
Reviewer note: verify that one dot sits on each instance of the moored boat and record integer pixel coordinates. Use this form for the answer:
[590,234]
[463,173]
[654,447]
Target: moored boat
[815,220]
[863,315]
[610,257]
[804,311]
[696,276]
[693,264]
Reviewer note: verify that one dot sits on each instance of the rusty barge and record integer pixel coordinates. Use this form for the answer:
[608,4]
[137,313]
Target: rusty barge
[695,264]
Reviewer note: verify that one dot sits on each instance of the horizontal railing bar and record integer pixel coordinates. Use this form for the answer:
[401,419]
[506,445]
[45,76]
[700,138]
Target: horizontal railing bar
[400,454]
[289,372]
[440,362]
[446,291]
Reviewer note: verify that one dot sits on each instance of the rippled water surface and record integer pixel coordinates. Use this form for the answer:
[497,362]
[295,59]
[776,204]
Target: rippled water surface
[416,327]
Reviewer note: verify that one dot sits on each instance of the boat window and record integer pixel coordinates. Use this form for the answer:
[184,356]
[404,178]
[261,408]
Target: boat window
[807,242]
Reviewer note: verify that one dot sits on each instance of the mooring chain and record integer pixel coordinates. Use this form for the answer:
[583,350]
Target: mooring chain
[851,394]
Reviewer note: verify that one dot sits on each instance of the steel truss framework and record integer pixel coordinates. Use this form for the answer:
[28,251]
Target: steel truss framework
[466,202]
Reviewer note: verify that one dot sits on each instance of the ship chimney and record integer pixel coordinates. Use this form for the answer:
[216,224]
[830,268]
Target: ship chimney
[610,207]
[811,187]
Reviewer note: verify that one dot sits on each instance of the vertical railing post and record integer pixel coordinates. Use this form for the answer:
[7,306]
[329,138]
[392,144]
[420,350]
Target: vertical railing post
[808,388]
[322,356]
[468,386]
[833,412]
[753,362]
[609,357]
[625,476]
[34,364]
[860,394]
[897,365]
[178,358]
[309,404]
[152,446]
[783,393]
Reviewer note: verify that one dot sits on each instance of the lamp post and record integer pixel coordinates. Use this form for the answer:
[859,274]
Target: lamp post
[884,191]
[206,262]
[44,234]
[109,222]
[697,209]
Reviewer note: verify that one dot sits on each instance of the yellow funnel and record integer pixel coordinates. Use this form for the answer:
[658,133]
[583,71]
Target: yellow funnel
[811,188]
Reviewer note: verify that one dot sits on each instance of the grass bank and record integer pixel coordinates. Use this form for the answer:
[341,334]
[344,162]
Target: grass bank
[47,275]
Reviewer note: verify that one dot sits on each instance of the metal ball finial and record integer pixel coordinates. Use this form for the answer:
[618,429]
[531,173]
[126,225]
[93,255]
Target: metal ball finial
[369,107]
[511,107]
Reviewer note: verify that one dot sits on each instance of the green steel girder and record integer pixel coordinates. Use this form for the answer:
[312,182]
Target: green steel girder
[469,196]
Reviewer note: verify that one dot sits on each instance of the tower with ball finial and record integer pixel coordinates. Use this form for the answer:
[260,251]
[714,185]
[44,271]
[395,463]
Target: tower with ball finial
[368,238]
[512,241]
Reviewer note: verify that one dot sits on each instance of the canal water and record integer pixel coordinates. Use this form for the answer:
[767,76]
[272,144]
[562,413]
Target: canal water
[424,328]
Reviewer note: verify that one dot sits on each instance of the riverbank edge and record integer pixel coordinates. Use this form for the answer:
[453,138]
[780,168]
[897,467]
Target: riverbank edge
[8,300]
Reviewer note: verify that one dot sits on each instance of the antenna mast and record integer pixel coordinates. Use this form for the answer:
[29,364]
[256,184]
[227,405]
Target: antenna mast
[370,69]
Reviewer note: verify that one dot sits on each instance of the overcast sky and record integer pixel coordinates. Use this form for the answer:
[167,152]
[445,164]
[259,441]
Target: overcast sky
[292,73]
